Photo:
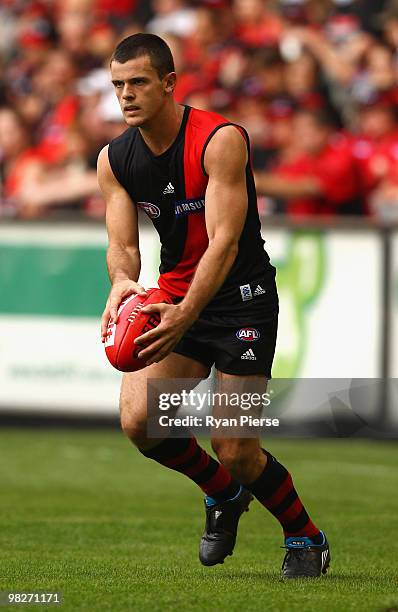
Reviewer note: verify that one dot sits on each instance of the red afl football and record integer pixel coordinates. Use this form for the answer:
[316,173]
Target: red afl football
[131,323]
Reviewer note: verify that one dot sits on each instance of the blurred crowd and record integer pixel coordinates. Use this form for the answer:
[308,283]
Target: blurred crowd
[314,82]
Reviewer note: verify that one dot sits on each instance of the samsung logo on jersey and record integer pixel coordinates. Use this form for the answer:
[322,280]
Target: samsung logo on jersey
[184,207]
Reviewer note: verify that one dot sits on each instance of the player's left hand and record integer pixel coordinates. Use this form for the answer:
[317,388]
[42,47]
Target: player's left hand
[160,341]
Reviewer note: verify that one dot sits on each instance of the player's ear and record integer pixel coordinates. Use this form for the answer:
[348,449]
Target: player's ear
[169,82]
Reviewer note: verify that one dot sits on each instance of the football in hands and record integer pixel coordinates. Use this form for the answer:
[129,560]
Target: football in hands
[131,323]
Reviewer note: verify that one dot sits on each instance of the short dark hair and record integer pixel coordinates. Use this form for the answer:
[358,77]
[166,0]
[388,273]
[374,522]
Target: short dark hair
[138,45]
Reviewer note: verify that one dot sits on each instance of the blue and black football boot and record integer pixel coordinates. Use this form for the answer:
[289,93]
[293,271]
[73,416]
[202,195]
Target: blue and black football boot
[222,520]
[304,559]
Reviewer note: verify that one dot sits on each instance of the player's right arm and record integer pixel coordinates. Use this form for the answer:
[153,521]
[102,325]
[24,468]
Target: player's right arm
[123,255]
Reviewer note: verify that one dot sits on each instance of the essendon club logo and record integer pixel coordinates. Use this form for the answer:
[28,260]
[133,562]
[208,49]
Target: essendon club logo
[151,210]
[249,334]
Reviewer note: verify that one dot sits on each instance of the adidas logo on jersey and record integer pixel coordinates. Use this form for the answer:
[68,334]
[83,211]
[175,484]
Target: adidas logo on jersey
[249,355]
[168,189]
[259,290]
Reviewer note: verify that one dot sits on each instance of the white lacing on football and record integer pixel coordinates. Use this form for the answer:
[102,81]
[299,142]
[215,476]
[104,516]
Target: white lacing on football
[135,312]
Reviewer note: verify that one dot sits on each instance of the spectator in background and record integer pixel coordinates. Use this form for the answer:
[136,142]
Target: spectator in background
[258,62]
[116,13]
[74,29]
[205,47]
[32,186]
[251,112]
[388,21]
[99,111]
[279,148]
[375,149]
[305,86]
[268,73]
[377,73]
[172,17]
[16,156]
[55,82]
[256,25]
[321,179]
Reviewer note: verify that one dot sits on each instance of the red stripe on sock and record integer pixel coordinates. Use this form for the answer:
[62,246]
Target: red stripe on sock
[280,494]
[292,512]
[218,482]
[179,459]
[309,530]
[199,466]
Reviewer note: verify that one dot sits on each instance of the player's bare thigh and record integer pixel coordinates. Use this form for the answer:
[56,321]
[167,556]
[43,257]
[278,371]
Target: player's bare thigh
[133,394]
[241,456]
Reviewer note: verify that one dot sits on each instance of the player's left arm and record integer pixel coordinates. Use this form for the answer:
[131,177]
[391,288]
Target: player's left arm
[225,162]
[226,208]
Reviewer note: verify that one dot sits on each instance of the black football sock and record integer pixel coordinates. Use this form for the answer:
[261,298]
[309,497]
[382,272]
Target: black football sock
[186,456]
[274,489]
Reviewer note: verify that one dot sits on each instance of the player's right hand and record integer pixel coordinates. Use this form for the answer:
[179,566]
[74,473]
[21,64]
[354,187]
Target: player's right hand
[120,290]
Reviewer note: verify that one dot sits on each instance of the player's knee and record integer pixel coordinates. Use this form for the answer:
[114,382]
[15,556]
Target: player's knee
[134,429]
[133,425]
[233,455]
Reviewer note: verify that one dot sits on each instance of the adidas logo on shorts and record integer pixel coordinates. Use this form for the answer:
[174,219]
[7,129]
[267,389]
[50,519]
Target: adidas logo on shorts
[249,355]
[259,290]
[168,189]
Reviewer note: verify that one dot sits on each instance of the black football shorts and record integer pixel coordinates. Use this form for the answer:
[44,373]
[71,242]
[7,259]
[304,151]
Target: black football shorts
[233,348]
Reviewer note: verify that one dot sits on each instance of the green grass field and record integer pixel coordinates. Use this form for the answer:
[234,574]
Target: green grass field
[83,513]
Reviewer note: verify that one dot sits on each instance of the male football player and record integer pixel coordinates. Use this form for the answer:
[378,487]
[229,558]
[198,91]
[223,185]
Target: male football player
[189,170]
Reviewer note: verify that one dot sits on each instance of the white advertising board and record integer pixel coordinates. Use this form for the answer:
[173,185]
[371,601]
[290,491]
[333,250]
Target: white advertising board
[51,357]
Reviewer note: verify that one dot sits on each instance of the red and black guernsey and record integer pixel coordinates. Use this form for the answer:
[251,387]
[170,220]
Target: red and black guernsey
[171,189]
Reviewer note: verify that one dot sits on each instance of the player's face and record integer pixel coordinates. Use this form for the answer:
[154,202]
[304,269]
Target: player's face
[139,89]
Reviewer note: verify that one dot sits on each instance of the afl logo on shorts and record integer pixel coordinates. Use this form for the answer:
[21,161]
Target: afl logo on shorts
[248,334]
[151,210]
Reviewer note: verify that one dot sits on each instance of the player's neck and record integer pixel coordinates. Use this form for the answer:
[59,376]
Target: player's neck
[161,134]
